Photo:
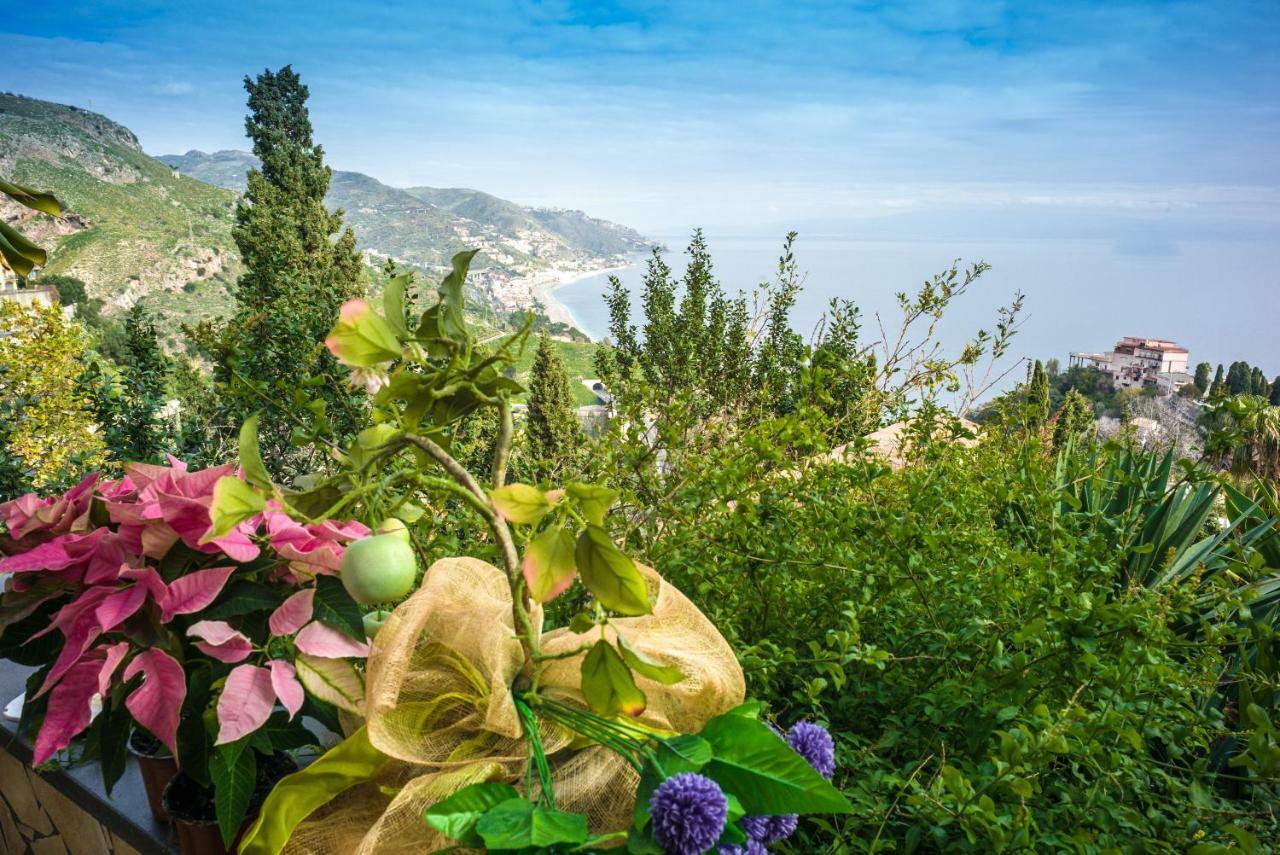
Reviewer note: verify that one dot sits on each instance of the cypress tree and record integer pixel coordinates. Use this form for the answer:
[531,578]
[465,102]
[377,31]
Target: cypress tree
[1257,382]
[553,432]
[691,344]
[1275,391]
[1202,377]
[1238,378]
[297,275]
[1219,386]
[659,303]
[1038,395]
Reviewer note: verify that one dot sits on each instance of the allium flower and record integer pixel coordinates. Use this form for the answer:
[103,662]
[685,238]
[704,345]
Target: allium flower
[689,813]
[751,847]
[813,743]
[770,829]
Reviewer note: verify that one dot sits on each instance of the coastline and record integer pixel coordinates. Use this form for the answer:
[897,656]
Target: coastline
[544,285]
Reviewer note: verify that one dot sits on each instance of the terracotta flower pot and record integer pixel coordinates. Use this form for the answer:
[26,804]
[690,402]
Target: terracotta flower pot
[191,812]
[157,767]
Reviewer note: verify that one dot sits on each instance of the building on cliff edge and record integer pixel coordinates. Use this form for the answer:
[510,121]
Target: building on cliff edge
[1138,362]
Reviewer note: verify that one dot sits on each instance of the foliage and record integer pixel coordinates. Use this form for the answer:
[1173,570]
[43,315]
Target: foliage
[1075,420]
[52,434]
[296,276]
[993,678]
[178,622]
[129,398]
[553,435]
[16,252]
[1038,395]
[1244,435]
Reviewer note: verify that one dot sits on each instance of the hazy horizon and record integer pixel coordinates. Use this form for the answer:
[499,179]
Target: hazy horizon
[1146,122]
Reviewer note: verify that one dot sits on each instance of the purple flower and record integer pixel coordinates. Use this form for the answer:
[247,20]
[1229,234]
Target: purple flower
[689,813]
[751,847]
[770,829]
[813,743]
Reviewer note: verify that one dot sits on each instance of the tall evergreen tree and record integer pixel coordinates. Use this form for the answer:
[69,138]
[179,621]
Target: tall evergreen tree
[1275,391]
[1257,382]
[1202,377]
[1219,386]
[145,375]
[659,304]
[1038,395]
[781,350]
[297,275]
[1238,378]
[553,432]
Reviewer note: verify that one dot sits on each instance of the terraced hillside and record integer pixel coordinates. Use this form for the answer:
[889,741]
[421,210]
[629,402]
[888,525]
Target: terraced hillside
[135,230]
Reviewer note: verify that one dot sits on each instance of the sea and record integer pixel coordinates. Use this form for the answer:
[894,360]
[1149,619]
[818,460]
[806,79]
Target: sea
[1218,298]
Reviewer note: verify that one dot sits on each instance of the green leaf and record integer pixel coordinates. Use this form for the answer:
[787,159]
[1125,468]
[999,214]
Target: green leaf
[644,666]
[242,598]
[456,816]
[549,564]
[334,606]
[607,683]
[334,681]
[520,503]
[517,824]
[20,254]
[234,501]
[113,739]
[45,203]
[393,303]
[757,765]
[234,770]
[609,574]
[582,622]
[362,338]
[593,500]
[255,471]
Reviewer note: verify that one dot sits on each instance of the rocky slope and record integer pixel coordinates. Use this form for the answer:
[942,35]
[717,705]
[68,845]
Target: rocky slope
[424,226]
[135,229]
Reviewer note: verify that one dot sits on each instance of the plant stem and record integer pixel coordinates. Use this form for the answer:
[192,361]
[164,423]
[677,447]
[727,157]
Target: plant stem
[502,448]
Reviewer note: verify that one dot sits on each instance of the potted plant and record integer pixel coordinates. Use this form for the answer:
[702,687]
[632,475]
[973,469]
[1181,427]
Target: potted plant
[627,723]
[209,646]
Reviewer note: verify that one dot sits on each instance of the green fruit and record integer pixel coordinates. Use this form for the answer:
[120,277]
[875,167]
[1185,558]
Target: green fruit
[373,622]
[391,525]
[379,569]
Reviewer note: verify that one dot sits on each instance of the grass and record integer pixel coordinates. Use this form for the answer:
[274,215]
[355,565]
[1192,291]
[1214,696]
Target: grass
[577,358]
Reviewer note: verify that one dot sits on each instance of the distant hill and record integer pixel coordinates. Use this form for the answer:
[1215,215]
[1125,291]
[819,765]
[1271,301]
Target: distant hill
[158,230]
[134,229]
[425,226]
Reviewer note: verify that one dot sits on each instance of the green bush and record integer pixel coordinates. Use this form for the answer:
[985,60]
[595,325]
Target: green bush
[994,680]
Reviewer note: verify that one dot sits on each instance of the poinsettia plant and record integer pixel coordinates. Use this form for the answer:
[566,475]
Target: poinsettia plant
[136,612]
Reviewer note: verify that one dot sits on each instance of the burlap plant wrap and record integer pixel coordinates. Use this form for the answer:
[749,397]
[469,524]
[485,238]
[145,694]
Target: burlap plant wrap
[439,706]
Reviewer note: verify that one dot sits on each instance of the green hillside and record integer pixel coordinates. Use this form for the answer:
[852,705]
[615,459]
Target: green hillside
[577,358]
[135,230]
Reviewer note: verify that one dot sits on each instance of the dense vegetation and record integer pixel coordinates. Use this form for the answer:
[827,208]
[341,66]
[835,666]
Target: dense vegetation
[1021,638]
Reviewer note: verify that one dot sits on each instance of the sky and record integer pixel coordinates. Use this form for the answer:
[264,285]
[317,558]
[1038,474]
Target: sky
[937,118]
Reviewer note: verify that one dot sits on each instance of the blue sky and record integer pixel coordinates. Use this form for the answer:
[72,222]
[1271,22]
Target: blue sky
[895,119]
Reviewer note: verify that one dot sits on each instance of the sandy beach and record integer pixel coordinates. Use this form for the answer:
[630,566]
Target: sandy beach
[542,287]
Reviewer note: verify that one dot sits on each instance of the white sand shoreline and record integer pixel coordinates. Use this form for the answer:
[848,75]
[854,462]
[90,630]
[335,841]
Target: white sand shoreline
[545,284]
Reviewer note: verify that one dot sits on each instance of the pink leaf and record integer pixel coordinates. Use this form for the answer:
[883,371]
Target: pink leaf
[292,614]
[157,703]
[119,606]
[194,591]
[319,639]
[78,638]
[68,711]
[287,688]
[114,653]
[150,580]
[220,641]
[245,703]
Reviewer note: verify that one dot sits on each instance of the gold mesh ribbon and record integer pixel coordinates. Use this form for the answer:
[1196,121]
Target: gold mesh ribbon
[439,705]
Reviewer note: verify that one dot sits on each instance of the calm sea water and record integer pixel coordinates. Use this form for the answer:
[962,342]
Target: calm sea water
[1220,299]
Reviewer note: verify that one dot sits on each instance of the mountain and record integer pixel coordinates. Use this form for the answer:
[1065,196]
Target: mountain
[135,229]
[425,226]
[158,230]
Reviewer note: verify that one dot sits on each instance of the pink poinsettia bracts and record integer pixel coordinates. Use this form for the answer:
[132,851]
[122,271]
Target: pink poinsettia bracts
[118,623]
[251,691]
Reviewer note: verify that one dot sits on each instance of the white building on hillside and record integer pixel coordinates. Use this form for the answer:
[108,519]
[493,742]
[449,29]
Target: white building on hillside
[1136,362]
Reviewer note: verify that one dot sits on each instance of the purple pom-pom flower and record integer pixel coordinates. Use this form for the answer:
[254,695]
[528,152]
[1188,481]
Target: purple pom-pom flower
[751,847]
[689,813]
[813,743]
[769,829]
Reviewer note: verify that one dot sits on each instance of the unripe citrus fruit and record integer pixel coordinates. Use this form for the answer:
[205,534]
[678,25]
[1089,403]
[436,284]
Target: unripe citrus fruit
[379,569]
[373,622]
